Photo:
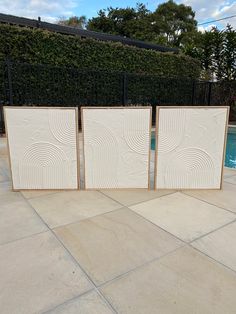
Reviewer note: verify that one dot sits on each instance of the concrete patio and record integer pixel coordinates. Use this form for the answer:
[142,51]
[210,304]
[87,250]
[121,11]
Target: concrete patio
[103,252]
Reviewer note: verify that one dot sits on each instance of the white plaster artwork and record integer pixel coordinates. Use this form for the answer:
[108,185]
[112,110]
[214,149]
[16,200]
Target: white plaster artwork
[116,147]
[42,146]
[190,147]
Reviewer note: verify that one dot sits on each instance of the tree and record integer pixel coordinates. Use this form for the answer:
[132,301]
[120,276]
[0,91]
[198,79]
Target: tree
[128,22]
[230,53]
[174,22]
[170,24]
[217,52]
[74,21]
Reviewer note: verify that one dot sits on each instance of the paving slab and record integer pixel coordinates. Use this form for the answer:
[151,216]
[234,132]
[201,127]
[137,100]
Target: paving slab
[90,303]
[231,179]
[227,172]
[34,193]
[4,172]
[184,281]
[18,218]
[130,197]
[183,216]
[225,198]
[3,176]
[4,166]
[37,274]
[6,188]
[109,245]
[220,245]
[3,147]
[71,206]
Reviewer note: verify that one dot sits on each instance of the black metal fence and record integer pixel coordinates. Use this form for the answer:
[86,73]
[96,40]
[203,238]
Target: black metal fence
[44,85]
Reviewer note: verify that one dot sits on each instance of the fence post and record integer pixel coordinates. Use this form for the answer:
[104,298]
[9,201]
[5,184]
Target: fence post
[193,92]
[9,78]
[209,94]
[124,95]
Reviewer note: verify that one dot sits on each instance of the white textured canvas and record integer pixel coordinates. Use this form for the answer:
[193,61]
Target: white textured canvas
[190,147]
[116,147]
[42,146]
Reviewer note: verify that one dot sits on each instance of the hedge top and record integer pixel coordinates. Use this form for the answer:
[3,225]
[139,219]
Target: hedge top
[40,46]
[84,33]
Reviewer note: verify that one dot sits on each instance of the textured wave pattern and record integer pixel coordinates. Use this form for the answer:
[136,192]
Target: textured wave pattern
[172,132]
[102,151]
[195,160]
[62,126]
[190,168]
[116,147]
[49,165]
[135,131]
[43,150]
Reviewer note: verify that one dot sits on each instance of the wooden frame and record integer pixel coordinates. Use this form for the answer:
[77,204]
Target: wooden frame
[149,151]
[77,143]
[156,141]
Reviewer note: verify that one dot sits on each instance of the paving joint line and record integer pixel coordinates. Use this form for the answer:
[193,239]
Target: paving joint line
[213,259]
[87,218]
[118,277]
[74,259]
[214,230]
[24,238]
[197,198]
[230,182]
[157,226]
[133,204]
[67,301]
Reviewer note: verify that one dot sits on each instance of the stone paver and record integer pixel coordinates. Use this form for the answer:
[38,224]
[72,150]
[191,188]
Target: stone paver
[109,245]
[3,147]
[231,179]
[130,197]
[71,206]
[5,188]
[139,267]
[37,274]
[229,172]
[3,176]
[18,219]
[186,217]
[225,198]
[35,193]
[4,173]
[184,281]
[220,245]
[90,303]
[4,167]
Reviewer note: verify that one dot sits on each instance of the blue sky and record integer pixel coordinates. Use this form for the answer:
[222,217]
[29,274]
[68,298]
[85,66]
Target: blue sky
[51,10]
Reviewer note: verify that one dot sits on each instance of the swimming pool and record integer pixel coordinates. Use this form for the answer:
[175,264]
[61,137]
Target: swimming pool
[230,156]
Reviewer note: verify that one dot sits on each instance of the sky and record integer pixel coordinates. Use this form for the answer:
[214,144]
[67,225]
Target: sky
[52,10]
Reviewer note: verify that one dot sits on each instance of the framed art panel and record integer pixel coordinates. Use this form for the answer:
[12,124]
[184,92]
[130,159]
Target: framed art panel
[190,147]
[116,147]
[43,147]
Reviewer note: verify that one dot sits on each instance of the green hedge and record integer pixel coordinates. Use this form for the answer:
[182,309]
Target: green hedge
[37,46]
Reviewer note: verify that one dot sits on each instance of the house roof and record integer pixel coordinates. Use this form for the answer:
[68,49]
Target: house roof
[22,21]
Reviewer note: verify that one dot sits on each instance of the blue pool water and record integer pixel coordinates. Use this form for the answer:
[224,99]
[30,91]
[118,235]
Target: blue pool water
[230,156]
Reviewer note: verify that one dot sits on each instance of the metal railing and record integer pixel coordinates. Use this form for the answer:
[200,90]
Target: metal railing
[44,85]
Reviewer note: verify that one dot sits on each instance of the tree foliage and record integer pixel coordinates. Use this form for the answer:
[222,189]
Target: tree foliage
[168,24]
[40,46]
[128,22]
[74,21]
[173,22]
[216,50]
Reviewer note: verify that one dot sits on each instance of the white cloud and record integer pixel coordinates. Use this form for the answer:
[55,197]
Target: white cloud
[211,10]
[48,10]
[205,28]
